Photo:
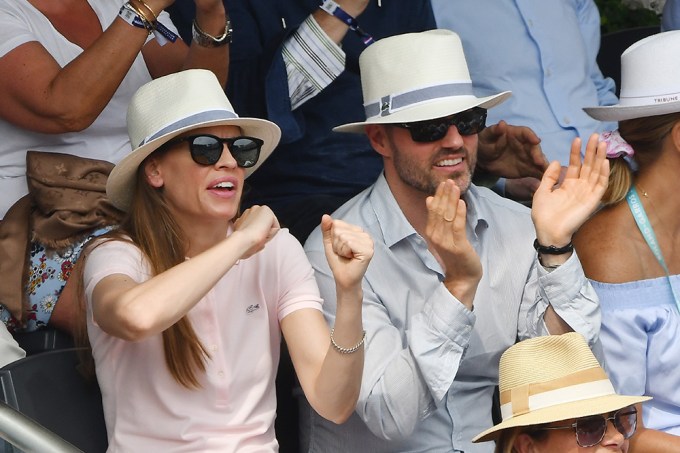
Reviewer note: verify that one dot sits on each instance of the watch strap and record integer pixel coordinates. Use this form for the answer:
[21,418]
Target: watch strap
[204,39]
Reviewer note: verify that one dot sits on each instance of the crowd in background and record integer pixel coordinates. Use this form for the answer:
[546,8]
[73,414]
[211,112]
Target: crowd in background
[399,191]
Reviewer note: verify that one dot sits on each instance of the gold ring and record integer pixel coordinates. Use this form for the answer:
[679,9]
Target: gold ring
[448,220]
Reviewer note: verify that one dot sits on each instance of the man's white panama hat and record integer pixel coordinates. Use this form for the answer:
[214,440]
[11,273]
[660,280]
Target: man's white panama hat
[650,80]
[169,106]
[416,77]
[552,378]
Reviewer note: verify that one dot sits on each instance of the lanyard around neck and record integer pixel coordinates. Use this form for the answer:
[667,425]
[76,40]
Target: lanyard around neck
[642,221]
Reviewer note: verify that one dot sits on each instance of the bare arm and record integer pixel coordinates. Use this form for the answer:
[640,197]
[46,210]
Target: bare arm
[134,311]
[648,440]
[211,17]
[330,379]
[39,95]
[334,27]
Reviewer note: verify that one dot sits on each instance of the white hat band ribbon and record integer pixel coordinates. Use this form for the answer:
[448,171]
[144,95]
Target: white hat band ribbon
[564,395]
[191,120]
[393,103]
[657,99]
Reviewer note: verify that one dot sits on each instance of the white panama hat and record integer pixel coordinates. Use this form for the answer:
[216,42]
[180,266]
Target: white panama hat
[416,77]
[650,80]
[169,106]
[553,378]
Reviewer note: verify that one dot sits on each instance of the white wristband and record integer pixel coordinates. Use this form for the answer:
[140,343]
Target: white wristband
[162,34]
[131,17]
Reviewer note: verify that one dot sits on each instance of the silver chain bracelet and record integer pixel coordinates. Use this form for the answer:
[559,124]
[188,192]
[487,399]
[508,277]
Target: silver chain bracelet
[354,348]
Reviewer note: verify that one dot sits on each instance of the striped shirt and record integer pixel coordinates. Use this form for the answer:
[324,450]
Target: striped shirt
[312,62]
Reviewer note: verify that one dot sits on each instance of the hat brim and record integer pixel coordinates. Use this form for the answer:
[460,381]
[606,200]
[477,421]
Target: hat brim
[427,111]
[576,409]
[620,112]
[120,185]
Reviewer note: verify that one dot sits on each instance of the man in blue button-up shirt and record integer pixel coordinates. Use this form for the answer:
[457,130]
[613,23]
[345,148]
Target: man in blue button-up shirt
[545,52]
[454,279]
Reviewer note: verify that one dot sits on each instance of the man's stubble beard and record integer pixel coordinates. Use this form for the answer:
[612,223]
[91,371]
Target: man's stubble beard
[423,181]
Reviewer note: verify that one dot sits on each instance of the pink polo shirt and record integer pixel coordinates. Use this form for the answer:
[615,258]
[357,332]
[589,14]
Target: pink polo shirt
[146,410]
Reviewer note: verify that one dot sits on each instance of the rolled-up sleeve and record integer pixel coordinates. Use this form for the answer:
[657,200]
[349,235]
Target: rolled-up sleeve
[570,294]
[312,62]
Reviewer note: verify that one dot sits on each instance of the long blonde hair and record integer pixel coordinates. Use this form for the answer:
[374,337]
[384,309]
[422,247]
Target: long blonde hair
[646,136]
[150,225]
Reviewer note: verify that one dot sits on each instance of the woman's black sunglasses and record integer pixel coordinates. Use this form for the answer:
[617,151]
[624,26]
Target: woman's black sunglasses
[591,430]
[207,149]
[469,122]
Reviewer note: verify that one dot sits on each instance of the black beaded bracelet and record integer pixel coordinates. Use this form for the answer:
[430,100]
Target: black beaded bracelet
[552,250]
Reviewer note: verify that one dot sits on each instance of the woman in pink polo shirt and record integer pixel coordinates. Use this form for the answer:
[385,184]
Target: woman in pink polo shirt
[187,300]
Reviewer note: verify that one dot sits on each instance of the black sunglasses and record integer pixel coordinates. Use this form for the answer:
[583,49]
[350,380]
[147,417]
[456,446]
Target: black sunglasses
[207,149]
[469,122]
[591,430]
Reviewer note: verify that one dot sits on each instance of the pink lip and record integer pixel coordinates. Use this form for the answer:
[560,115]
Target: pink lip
[223,193]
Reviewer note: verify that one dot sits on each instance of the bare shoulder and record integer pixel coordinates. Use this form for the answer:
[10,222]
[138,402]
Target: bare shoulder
[607,245]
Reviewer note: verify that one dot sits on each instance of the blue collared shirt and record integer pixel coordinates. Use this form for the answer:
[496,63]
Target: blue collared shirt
[431,364]
[545,52]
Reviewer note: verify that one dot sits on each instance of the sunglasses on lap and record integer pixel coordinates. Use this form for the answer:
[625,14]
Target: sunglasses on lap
[468,122]
[207,149]
[591,430]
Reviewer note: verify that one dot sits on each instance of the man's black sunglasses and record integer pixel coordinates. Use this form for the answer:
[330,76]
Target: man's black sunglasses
[207,149]
[469,122]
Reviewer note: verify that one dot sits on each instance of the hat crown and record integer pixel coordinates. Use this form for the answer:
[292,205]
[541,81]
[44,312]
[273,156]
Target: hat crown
[650,68]
[172,105]
[403,63]
[172,101]
[544,359]
[552,378]
[416,77]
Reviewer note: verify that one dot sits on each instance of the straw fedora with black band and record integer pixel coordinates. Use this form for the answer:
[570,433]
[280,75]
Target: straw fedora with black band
[169,106]
[553,378]
[650,80]
[416,77]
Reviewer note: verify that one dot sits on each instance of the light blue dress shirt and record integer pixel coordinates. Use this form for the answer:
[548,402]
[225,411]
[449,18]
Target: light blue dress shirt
[431,364]
[670,19]
[641,341]
[545,52]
